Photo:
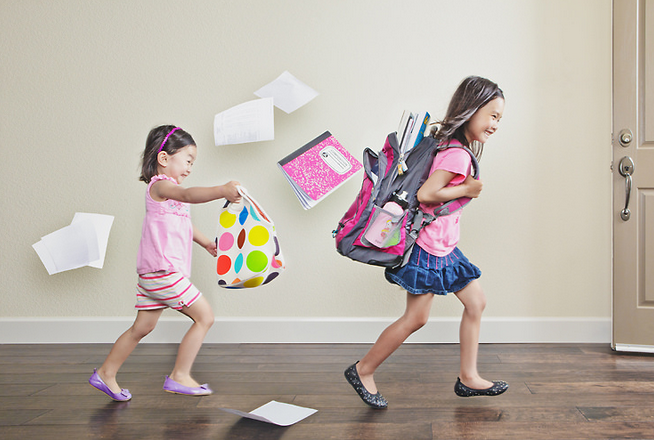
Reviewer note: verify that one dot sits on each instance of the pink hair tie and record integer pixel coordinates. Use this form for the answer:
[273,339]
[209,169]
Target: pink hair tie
[166,138]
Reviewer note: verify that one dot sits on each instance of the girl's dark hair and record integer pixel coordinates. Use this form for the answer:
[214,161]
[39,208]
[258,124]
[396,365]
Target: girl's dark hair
[473,93]
[177,140]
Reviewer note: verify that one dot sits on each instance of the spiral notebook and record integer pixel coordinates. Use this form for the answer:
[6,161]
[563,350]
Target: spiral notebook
[318,168]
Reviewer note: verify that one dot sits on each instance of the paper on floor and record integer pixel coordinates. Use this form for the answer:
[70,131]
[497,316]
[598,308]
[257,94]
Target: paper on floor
[277,413]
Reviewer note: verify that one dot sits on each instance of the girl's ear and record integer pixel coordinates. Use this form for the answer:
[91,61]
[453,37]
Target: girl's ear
[162,158]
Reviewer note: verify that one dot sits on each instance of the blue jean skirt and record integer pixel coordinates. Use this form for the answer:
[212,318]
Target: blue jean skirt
[427,273]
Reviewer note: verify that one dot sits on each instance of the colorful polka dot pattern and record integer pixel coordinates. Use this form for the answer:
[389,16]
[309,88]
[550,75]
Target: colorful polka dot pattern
[248,249]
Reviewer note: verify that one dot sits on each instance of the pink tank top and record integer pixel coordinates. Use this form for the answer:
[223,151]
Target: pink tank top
[167,235]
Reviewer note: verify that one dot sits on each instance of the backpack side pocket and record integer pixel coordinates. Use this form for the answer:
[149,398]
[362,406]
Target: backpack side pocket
[384,228]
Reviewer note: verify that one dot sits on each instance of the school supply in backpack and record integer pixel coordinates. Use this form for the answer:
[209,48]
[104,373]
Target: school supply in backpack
[411,129]
[248,248]
[382,224]
[318,168]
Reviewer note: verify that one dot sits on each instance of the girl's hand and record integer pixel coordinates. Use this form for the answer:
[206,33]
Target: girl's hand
[202,240]
[212,248]
[231,192]
[472,187]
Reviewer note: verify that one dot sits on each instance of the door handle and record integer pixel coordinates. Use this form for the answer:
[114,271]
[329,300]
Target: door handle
[626,168]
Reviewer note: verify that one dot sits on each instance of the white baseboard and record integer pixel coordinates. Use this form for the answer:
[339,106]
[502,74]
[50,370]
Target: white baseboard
[304,330]
[633,348]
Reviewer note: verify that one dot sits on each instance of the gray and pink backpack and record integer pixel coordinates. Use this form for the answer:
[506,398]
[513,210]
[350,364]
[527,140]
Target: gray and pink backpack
[392,175]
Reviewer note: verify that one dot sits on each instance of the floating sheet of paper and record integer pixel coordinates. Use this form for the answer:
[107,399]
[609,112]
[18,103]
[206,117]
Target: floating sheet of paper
[252,121]
[288,92]
[82,243]
[277,413]
[102,224]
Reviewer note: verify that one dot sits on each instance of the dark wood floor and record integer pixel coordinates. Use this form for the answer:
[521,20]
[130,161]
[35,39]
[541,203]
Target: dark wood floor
[558,391]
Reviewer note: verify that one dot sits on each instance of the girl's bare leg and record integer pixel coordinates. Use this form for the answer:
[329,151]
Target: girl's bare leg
[415,316]
[474,302]
[203,318]
[145,322]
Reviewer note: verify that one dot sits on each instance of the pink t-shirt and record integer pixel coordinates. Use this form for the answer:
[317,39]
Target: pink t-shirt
[441,236]
[167,235]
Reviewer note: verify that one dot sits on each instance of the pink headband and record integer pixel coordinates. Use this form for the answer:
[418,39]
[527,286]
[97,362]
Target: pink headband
[166,138]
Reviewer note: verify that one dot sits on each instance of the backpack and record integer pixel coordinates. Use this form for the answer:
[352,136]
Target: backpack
[392,174]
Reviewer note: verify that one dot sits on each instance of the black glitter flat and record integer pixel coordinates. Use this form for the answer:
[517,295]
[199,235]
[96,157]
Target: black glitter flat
[375,400]
[499,386]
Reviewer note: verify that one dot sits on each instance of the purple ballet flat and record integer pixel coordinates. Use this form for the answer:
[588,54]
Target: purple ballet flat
[96,382]
[173,387]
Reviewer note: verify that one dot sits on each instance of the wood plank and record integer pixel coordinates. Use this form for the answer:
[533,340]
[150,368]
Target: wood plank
[643,413]
[241,429]
[573,388]
[543,431]
[12,416]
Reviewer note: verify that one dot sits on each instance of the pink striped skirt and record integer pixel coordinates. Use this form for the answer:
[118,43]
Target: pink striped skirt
[159,290]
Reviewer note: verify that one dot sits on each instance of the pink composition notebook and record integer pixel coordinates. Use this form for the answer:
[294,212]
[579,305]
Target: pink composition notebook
[318,168]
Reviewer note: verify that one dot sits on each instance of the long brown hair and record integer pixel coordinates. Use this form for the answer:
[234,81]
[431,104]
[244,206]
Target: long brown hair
[473,93]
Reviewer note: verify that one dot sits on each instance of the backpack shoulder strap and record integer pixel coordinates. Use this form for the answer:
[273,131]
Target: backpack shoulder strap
[473,158]
[455,205]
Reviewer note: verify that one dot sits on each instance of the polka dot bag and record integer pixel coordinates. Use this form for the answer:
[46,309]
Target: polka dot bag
[248,249]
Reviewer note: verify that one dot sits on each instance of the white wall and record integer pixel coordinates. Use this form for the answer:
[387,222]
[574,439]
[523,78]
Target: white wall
[83,83]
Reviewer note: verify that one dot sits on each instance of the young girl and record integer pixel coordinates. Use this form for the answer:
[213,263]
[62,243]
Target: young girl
[436,265]
[164,261]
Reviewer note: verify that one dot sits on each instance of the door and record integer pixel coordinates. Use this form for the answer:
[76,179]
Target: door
[633,175]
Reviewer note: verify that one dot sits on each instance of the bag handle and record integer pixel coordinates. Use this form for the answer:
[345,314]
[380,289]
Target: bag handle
[243,192]
[370,163]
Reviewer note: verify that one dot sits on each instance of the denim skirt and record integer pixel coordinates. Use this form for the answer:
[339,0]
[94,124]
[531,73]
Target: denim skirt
[426,273]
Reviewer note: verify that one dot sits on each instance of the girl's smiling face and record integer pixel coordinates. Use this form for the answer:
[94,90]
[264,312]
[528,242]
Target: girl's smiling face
[178,166]
[485,121]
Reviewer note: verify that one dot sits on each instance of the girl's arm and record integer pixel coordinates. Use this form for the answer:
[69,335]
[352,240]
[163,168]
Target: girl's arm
[203,241]
[435,189]
[164,189]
